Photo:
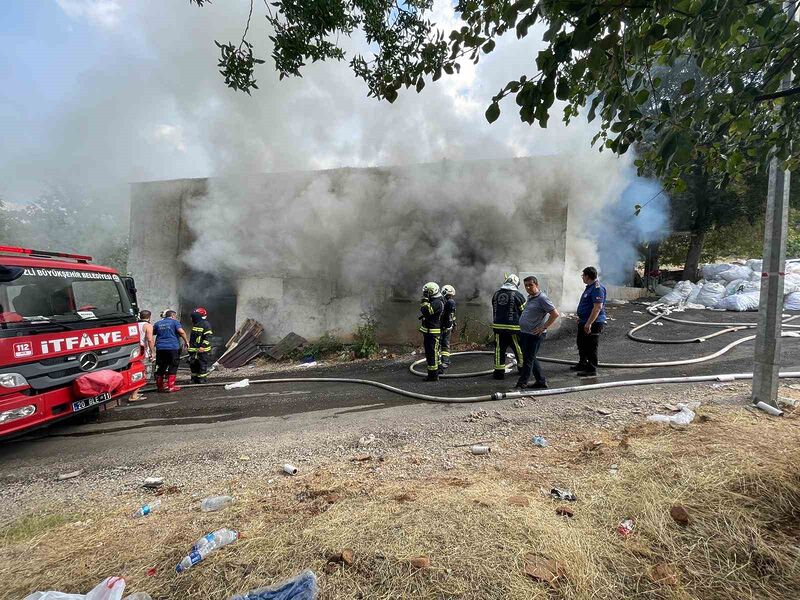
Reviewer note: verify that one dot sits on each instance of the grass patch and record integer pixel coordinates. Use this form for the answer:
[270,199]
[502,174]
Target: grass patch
[736,474]
[28,527]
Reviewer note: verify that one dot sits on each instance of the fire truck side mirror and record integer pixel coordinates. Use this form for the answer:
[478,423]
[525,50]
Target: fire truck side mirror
[130,287]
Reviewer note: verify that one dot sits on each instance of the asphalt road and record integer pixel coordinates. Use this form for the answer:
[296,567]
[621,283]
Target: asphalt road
[214,404]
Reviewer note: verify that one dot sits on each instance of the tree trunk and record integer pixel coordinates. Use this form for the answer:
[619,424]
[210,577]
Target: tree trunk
[691,268]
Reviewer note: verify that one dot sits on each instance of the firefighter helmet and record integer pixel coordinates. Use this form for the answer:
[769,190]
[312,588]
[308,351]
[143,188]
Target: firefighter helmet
[430,289]
[448,290]
[201,311]
[512,279]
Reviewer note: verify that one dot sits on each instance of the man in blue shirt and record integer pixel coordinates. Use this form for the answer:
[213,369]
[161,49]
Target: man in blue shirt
[168,333]
[591,319]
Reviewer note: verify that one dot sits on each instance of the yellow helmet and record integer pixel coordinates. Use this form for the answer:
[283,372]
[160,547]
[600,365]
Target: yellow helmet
[430,289]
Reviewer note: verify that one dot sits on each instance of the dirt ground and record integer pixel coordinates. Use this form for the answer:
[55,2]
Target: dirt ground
[485,523]
[394,481]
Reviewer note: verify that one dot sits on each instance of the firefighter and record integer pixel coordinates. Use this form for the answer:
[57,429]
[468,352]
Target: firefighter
[200,345]
[448,322]
[507,305]
[168,333]
[431,307]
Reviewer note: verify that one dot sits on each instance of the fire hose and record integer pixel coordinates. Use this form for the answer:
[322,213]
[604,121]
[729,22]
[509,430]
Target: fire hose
[730,327]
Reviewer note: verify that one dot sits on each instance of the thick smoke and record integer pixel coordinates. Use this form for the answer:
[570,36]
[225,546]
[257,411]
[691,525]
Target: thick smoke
[370,230]
[148,103]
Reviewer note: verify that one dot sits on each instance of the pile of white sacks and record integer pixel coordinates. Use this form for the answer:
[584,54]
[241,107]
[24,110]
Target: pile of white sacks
[727,286]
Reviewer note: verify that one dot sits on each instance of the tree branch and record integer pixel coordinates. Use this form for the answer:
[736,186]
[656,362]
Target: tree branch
[781,94]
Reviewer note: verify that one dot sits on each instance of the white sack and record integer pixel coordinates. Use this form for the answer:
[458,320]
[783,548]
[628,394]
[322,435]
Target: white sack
[710,294]
[791,301]
[740,302]
[111,588]
[735,272]
[712,271]
[679,293]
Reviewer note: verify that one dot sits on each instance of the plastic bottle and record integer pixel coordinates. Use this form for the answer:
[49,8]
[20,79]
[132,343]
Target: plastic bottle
[205,546]
[216,539]
[215,503]
[147,509]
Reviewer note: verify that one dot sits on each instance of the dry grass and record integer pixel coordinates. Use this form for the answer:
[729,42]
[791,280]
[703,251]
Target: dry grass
[737,474]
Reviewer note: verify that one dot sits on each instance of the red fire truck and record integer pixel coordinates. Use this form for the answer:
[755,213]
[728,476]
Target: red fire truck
[68,337]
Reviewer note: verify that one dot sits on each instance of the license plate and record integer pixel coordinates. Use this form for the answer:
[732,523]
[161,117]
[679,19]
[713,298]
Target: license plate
[87,402]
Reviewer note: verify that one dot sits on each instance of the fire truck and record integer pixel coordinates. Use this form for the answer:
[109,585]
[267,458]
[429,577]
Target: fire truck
[69,342]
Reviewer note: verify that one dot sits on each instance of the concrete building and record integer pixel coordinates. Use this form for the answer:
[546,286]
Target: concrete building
[296,297]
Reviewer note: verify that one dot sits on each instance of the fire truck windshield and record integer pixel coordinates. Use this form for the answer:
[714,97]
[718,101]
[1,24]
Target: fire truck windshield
[61,296]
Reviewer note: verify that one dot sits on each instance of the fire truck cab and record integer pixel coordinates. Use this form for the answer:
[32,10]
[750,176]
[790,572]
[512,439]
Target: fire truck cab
[63,319]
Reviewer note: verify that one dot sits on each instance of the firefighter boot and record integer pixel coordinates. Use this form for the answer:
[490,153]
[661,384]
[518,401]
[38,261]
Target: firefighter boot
[432,376]
[160,383]
[171,387]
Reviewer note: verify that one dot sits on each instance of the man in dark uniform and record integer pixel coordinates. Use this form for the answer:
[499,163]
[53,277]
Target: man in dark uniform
[448,322]
[507,306]
[168,333]
[200,345]
[591,320]
[431,308]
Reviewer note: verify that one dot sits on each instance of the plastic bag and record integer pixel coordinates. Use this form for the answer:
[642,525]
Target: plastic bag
[792,301]
[302,587]
[93,384]
[679,293]
[791,283]
[111,588]
[712,271]
[710,294]
[733,287]
[679,420]
[696,287]
[735,272]
[755,265]
[740,302]
[662,290]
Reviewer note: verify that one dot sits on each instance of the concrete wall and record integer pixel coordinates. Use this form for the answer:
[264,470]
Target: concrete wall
[284,302]
[158,236]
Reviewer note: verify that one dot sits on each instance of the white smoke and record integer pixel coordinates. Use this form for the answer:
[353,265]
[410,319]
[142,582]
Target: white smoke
[152,105]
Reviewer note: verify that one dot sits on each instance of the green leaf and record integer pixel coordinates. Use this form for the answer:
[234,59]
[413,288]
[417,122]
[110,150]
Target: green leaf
[687,87]
[641,97]
[563,89]
[488,46]
[493,112]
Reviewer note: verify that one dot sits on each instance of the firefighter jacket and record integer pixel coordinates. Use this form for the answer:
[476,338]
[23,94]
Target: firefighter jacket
[431,309]
[200,339]
[449,314]
[507,305]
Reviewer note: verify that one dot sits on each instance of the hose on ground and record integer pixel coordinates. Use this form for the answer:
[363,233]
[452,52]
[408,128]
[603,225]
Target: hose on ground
[502,395]
[564,361]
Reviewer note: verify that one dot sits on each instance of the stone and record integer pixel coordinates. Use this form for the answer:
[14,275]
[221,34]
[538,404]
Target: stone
[420,562]
[564,511]
[679,514]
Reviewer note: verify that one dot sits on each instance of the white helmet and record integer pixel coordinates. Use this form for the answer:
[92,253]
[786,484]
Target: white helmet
[448,290]
[512,279]
[430,289]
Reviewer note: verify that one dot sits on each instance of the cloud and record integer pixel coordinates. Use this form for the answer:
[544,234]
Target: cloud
[104,13]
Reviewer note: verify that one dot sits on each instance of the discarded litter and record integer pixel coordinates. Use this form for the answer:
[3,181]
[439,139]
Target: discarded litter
[146,509]
[302,587]
[480,449]
[306,365]
[70,475]
[139,596]
[205,546]
[215,503]
[626,527]
[239,384]
[539,441]
[679,420]
[560,494]
[110,588]
[769,409]
[637,312]
[153,482]
[289,469]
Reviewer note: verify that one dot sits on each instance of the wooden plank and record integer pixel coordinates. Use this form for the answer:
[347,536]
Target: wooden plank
[290,342]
